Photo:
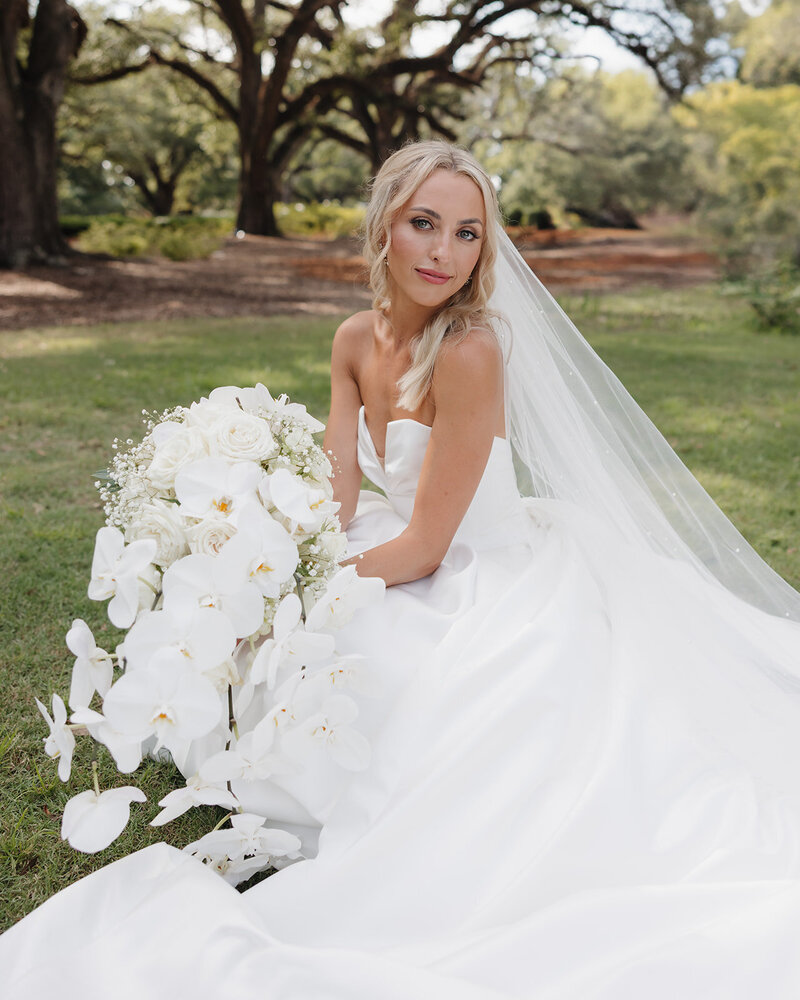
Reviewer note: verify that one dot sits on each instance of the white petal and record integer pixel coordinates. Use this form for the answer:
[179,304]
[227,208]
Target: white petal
[91,822]
[80,640]
[287,616]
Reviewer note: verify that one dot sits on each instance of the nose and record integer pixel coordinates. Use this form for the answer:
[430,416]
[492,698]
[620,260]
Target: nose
[440,250]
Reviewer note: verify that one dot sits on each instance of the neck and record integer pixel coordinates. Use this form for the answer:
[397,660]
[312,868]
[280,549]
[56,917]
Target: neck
[406,318]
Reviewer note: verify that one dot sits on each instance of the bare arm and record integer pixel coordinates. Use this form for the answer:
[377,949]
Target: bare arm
[341,432]
[468,393]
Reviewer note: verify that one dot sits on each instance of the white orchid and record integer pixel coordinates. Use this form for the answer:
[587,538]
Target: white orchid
[127,752]
[269,551]
[295,412]
[330,729]
[116,568]
[92,821]
[304,506]
[222,582]
[249,399]
[345,594]
[59,743]
[92,670]
[216,485]
[252,759]
[353,672]
[259,399]
[204,637]
[247,837]
[199,791]
[222,505]
[291,646]
[168,700]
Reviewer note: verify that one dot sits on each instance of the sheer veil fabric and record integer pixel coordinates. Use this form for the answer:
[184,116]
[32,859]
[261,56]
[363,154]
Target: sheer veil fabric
[580,436]
[585,774]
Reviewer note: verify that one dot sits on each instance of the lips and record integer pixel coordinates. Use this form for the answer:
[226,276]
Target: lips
[434,277]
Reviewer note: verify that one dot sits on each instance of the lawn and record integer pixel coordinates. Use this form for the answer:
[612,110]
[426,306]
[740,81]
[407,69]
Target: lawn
[726,398]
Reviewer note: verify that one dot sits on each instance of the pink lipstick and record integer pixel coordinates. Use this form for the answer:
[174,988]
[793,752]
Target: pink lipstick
[434,277]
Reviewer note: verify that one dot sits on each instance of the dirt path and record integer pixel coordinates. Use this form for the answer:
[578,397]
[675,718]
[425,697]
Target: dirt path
[263,276]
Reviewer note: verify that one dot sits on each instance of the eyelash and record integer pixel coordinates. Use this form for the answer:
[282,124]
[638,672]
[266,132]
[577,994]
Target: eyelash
[414,222]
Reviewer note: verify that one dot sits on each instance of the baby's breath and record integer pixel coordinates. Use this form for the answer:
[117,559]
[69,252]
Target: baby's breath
[128,488]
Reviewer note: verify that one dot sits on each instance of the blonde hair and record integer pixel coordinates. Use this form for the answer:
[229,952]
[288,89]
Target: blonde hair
[396,181]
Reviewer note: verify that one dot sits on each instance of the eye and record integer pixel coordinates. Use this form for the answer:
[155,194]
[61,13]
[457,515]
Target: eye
[468,235]
[421,223]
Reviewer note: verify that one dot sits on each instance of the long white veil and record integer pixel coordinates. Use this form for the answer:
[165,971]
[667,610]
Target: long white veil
[579,436]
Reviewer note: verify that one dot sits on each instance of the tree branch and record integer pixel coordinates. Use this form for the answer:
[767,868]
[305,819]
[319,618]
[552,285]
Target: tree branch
[112,74]
[187,70]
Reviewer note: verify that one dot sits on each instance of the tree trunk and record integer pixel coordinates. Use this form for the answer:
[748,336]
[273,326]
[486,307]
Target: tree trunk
[29,99]
[259,189]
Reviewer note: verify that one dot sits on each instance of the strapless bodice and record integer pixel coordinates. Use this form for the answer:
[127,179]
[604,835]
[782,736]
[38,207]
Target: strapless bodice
[496,515]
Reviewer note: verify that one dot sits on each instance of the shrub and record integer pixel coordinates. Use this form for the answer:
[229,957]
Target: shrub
[191,239]
[127,239]
[315,218]
[775,299]
[178,238]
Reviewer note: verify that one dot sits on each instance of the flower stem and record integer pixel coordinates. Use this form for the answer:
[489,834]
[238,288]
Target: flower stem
[150,586]
[233,725]
[224,819]
[95,780]
[298,585]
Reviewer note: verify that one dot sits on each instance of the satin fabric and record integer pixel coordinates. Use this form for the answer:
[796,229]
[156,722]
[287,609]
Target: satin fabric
[583,785]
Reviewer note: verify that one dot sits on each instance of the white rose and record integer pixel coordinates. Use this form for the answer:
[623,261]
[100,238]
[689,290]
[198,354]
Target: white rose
[209,535]
[244,437]
[204,415]
[162,522]
[332,545]
[182,446]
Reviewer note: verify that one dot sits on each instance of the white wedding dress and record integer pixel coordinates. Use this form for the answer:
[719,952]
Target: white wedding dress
[581,788]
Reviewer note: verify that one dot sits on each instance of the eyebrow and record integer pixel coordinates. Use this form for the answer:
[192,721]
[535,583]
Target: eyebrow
[430,211]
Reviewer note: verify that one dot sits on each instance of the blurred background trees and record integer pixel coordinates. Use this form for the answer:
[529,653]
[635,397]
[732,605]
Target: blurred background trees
[251,108]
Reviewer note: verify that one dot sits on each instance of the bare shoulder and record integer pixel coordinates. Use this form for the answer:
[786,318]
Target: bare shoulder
[475,361]
[354,334]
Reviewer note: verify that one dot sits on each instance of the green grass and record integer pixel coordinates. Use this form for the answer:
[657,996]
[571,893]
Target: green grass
[727,400]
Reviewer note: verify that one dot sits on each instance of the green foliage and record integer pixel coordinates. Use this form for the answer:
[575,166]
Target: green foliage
[771,54]
[775,299]
[177,238]
[319,219]
[744,145]
[600,147]
[147,140]
[325,171]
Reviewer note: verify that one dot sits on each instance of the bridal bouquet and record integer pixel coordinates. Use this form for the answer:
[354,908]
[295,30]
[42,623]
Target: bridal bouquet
[220,559]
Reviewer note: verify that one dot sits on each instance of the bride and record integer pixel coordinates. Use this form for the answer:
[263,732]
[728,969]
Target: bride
[586,759]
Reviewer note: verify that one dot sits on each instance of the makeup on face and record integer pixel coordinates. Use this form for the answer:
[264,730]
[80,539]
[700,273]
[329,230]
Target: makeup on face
[436,238]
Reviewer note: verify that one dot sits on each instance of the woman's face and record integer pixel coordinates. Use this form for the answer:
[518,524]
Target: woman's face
[436,239]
